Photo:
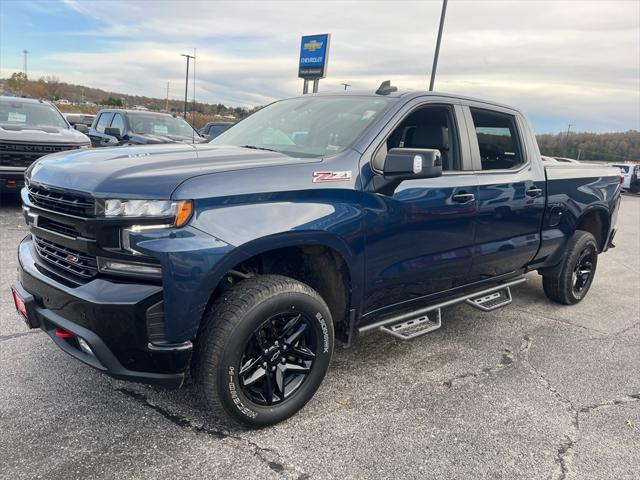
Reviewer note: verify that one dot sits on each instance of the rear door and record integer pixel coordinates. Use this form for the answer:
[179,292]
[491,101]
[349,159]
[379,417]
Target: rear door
[511,191]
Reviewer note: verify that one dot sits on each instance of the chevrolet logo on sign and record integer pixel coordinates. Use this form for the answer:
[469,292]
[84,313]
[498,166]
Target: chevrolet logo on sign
[312,46]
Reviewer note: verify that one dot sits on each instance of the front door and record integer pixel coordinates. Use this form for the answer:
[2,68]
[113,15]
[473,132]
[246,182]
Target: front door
[419,239]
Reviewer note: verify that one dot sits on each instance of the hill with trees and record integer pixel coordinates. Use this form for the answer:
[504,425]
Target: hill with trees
[611,147]
[90,100]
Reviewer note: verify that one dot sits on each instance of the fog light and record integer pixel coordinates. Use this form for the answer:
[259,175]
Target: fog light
[84,346]
[134,269]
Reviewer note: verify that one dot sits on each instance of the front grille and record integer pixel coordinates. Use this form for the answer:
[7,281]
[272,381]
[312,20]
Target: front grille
[78,263]
[23,155]
[62,202]
[58,227]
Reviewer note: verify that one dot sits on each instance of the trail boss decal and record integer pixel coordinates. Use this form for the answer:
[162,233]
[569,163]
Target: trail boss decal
[343,176]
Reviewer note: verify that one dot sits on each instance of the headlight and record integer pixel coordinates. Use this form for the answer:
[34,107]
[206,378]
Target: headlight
[180,211]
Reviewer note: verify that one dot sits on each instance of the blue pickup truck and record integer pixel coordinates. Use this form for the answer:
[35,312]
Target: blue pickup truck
[237,263]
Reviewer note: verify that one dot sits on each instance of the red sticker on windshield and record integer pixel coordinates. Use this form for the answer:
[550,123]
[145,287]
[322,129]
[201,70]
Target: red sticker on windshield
[343,176]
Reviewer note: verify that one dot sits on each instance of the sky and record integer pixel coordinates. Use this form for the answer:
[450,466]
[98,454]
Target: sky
[561,62]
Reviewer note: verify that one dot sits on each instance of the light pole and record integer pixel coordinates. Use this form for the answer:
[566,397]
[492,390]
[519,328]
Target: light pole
[24,66]
[435,56]
[346,85]
[186,82]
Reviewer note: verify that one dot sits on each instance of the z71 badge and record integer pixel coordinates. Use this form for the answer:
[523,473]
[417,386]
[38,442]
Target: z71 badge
[343,176]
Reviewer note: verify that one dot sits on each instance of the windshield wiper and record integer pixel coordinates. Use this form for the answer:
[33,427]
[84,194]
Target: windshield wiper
[255,147]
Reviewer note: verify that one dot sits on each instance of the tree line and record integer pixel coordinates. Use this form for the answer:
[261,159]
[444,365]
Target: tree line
[611,147]
[51,88]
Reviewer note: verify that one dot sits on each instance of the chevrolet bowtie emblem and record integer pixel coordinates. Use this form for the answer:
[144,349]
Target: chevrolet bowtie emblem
[312,46]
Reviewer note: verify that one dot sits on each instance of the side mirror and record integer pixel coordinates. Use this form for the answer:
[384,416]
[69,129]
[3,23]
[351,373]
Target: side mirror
[81,127]
[409,163]
[112,132]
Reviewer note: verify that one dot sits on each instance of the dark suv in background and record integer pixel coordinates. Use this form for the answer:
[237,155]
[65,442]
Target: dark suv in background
[30,129]
[132,127]
[212,129]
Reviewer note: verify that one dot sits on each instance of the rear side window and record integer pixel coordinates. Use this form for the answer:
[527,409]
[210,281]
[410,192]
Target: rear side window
[498,140]
[103,122]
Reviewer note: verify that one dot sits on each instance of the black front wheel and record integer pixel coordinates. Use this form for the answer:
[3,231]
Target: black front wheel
[263,350]
[571,284]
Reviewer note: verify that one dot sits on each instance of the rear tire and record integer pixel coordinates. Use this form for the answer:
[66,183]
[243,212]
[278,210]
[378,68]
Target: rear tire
[263,350]
[576,274]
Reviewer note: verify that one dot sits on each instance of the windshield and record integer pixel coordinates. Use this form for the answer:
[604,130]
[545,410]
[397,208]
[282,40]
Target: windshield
[306,127]
[31,114]
[146,124]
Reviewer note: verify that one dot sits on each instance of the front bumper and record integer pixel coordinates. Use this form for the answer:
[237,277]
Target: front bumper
[111,316]
[11,180]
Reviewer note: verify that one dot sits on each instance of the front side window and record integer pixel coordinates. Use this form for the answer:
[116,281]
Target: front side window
[118,122]
[103,122]
[306,127]
[428,127]
[28,114]
[497,139]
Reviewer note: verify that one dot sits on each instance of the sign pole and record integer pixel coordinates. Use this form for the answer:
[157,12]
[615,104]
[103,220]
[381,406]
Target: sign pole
[437,54]
[305,86]
[316,82]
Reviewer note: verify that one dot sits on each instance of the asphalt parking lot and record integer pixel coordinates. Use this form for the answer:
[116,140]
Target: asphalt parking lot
[533,390]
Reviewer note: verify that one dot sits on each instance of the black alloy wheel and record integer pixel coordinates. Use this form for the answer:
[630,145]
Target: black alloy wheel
[263,350]
[583,270]
[278,358]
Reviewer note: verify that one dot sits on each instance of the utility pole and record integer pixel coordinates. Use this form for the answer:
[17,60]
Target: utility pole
[437,53]
[193,110]
[346,85]
[186,82]
[566,141]
[166,104]
[24,65]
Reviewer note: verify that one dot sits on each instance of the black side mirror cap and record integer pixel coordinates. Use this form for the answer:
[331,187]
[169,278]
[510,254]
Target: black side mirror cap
[112,132]
[411,163]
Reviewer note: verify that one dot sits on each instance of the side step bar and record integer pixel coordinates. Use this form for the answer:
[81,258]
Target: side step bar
[491,301]
[413,324]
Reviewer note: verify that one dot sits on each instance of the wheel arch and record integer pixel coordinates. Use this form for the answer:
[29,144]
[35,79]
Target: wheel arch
[321,260]
[596,221]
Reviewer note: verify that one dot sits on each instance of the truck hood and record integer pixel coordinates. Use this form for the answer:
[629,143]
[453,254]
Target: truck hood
[42,135]
[146,171]
[149,139]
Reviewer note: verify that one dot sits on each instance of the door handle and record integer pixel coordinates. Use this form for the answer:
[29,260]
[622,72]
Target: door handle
[463,197]
[533,192]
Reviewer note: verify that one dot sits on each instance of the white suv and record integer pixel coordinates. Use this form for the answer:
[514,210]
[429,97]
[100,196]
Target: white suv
[630,173]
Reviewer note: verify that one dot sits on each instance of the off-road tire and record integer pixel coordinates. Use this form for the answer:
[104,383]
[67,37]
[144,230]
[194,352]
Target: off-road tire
[227,326]
[560,287]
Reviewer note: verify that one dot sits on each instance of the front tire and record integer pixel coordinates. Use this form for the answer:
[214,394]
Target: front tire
[263,350]
[576,274]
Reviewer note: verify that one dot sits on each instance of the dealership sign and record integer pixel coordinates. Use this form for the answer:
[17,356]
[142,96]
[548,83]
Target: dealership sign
[314,56]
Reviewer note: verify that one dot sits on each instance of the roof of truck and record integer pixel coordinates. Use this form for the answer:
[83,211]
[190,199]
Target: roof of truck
[409,94]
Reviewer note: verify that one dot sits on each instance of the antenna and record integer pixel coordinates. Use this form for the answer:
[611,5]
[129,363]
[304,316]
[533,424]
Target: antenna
[385,88]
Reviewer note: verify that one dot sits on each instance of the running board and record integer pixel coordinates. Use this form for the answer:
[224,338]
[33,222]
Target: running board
[415,327]
[413,324]
[491,301]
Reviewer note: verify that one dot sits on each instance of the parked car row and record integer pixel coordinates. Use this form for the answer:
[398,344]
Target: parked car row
[32,128]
